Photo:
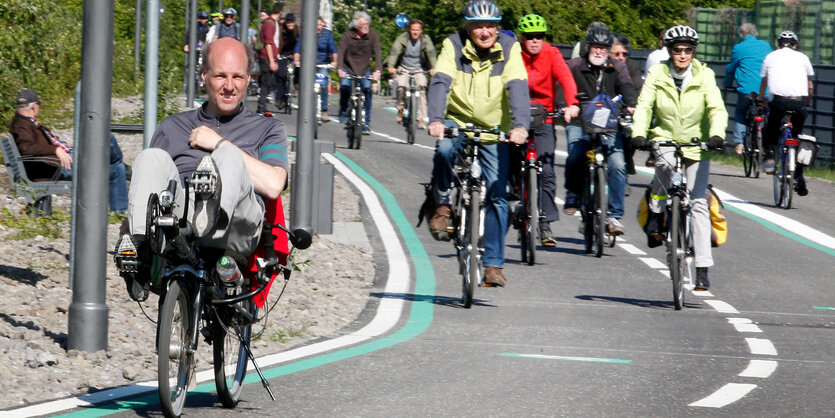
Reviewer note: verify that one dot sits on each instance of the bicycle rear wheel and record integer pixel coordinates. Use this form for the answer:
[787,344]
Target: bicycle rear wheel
[229,348]
[599,215]
[174,340]
[748,153]
[788,189]
[531,221]
[676,251]
[757,159]
[473,270]
[779,182]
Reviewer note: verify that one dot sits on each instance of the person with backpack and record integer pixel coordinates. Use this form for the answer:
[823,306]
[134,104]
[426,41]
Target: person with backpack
[596,73]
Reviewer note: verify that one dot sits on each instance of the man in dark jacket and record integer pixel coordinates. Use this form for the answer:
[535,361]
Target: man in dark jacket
[34,139]
[594,73]
[355,49]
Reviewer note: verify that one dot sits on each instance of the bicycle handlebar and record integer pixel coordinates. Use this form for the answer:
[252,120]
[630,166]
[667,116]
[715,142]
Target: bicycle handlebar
[455,131]
[693,142]
[411,72]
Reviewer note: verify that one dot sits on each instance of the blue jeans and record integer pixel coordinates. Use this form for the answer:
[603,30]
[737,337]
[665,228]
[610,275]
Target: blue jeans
[323,92]
[118,179]
[495,164]
[743,103]
[575,168]
[345,95]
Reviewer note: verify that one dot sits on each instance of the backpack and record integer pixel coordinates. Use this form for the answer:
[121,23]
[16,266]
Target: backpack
[718,222]
[600,115]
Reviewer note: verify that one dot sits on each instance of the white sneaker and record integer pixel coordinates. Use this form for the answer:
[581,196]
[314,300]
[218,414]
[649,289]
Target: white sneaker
[614,226]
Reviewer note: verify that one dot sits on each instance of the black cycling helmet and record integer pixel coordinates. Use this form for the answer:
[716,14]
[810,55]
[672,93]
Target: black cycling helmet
[202,15]
[599,36]
[482,11]
[681,34]
[787,38]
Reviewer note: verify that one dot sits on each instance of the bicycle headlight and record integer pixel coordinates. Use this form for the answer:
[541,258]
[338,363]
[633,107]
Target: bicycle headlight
[166,198]
[676,179]
[598,158]
[475,170]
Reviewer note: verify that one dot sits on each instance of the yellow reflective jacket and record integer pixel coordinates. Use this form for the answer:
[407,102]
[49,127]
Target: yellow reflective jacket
[488,90]
[696,112]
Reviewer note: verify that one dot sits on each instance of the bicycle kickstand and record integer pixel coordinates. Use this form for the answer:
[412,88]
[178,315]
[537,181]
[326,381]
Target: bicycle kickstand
[264,381]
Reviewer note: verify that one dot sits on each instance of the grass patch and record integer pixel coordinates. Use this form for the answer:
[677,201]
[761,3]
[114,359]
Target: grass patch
[25,227]
[284,336]
[819,172]
[114,218]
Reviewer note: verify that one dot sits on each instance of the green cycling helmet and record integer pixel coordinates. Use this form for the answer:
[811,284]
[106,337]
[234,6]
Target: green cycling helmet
[532,23]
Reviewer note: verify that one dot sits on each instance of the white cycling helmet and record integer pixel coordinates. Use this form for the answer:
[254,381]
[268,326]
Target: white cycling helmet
[482,10]
[681,33]
[787,37]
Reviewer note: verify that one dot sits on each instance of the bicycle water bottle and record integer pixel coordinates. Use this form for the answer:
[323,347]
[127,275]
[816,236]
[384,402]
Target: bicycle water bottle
[228,271]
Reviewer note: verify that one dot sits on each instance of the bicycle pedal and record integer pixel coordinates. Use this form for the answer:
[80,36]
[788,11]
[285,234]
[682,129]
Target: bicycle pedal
[127,257]
[204,178]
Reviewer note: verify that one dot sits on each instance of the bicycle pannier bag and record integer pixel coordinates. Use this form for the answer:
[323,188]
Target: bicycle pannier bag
[718,222]
[538,116]
[807,149]
[600,115]
[643,218]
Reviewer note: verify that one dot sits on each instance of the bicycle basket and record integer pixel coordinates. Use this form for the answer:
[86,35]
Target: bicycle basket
[600,115]
[807,149]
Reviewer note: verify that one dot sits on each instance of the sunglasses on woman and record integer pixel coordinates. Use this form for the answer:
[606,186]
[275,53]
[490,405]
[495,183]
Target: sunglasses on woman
[683,50]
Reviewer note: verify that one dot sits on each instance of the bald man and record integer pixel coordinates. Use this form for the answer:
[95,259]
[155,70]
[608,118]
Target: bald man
[240,157]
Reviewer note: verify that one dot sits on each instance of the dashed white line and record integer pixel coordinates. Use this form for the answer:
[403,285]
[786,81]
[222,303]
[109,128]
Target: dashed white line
[759,368]
[744,325]
[396,139]
[761,346]
[631,249]
[721,307]
[726,395]
[652,263]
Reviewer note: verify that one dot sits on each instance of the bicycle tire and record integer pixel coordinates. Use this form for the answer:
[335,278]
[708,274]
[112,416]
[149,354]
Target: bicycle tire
[471,278]
[358,113]
[532,214]
[677,248]
[778,183]
[599,215]
[173,349]
[230,356]
[788,189]
[748,153]
[758,154]
[412,125]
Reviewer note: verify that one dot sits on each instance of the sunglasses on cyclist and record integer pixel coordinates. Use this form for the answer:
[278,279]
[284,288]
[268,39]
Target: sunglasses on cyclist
[683,50]
[620,54]
[535,35]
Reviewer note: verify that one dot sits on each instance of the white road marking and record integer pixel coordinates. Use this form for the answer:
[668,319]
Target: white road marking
[653,263]
[402,141]
[388,313]
[701,293]
[722,307]
[759,368]
[761,346]
[631,249]
[744,325]
[727,394]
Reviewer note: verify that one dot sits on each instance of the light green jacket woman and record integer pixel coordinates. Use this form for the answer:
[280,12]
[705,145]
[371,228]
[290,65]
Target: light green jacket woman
[696,112]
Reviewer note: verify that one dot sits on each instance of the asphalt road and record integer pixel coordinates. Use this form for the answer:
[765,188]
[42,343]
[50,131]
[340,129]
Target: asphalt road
[576,335]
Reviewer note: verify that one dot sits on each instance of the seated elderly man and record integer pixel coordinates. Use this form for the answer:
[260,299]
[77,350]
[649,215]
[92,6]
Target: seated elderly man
[34,139]
[244,153]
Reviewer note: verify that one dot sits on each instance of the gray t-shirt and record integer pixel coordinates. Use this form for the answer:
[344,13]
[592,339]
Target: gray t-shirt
[411,56]
[260,137]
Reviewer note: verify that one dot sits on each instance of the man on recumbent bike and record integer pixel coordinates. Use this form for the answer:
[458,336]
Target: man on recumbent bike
[232,155]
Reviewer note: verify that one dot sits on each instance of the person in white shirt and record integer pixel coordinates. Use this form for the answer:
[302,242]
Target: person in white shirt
[659,55]
[787,73]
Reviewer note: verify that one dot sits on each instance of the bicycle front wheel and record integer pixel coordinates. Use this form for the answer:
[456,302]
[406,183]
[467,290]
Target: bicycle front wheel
[229,343]
[779,182]
[677,251]
[174,340]
[473,270]
[599,215]
[411,126]
[532,214]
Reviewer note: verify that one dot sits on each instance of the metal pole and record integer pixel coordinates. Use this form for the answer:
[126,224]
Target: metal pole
[151,69]
[192,53]
[220,6]
[76,133]
[137,38]
[245,23]
[302,190]
[87,318]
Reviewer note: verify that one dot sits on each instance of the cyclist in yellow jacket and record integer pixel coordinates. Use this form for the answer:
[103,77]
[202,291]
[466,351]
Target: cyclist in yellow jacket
[479,78]
[683,95]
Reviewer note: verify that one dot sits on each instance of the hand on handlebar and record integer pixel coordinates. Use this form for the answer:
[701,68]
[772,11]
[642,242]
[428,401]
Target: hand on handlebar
[392,70]
[716,142]
[570,112]
[436,129]
[375,75]
[639,142]
[518,136]
[341,73]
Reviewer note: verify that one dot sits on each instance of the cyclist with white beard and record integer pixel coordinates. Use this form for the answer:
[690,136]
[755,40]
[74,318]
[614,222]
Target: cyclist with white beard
[594,73]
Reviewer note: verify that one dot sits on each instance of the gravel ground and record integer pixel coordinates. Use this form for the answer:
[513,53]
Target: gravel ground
[319,300]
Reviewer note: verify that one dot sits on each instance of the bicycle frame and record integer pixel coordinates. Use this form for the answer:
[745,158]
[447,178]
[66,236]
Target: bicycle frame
[595,200]
[412,102]
[355,111]
[784,175]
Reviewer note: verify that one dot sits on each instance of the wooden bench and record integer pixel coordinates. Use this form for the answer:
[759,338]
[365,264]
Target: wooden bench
[38,193]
